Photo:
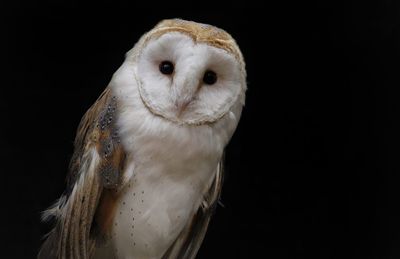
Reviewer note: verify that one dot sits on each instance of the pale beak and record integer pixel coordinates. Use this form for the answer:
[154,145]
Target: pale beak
[181,107]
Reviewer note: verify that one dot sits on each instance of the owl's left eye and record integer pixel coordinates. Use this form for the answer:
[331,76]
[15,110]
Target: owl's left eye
[166,67]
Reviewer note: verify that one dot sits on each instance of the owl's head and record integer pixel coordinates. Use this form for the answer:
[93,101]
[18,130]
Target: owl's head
[189,73]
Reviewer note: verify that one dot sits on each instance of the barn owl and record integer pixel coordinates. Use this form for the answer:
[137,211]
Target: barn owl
[146,172]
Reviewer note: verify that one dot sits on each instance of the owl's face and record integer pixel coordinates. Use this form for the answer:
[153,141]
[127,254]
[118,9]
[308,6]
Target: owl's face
[187,78]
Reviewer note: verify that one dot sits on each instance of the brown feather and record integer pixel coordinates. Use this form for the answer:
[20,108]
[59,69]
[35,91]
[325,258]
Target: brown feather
[90,182]
[106,210]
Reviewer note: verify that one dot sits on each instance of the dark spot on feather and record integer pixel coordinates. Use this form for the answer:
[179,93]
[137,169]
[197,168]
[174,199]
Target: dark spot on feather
[110,175]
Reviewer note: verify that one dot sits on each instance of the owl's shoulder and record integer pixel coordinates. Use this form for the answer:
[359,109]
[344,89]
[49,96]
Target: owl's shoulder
[97,129]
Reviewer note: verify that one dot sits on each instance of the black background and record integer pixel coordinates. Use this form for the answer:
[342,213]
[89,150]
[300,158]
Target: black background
[313,168]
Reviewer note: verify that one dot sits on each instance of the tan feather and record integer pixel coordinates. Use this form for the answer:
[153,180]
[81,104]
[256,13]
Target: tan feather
[96,166]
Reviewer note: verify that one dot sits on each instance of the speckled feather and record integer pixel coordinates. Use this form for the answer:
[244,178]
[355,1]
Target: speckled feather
[97,163]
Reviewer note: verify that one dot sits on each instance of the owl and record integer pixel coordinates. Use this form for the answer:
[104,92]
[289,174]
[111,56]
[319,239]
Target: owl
[146,173]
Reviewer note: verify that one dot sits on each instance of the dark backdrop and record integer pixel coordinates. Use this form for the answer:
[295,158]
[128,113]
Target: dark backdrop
[313,169]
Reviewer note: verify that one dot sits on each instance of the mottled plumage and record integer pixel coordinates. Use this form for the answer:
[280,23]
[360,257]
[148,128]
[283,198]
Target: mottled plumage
[146,173]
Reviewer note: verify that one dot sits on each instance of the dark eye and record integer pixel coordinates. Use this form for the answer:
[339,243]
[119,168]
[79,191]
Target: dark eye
[210,77]
[166,67]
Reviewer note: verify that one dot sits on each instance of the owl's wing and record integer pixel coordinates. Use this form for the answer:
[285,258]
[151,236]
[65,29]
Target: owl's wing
[83,211]
[188,242]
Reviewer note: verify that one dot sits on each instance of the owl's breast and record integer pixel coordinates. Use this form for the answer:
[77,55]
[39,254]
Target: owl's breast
[162,195]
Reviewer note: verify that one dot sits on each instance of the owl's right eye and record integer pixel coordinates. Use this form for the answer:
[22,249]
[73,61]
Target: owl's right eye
[166,67]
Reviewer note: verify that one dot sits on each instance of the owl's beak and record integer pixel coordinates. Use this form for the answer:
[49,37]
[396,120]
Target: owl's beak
[181,107]
[185,91]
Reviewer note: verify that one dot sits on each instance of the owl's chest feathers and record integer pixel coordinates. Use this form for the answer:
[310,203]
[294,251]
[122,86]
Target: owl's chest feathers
[175,166]
[171,173]
[173,153]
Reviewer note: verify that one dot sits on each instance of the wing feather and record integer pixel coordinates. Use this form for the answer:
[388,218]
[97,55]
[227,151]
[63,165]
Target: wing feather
[97,164]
